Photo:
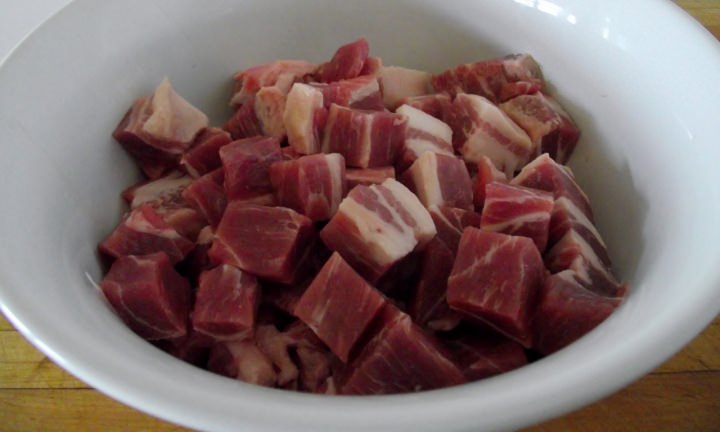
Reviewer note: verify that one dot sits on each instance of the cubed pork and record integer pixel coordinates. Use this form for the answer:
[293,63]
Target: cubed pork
[436,104]
[347,62]
[143,231]
[268,242]
[424,133]
[372,66]
[519,211]
[400,358]
[378,225]
[366,139]
[480,129]
[495,278]
[149,295]
[566,311]
[428,305]
[207,195]
[281,73]
[567,216]
[545,174]
[303,110]
[243,360]
[482,354]
[225,303]
[497,79]
[362,92]
[262,114]
[311,185]
[451,222]
[247,168]
[591,267]
[244,123]
[338,306]
[399,83]
[486,174]
[440,180]
[368,176]
[549,126]
[204,156]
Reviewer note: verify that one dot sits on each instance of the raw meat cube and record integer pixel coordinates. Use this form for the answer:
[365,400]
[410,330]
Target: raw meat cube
[157,129]
[262,114]
[368,176]
[428,306]
[148,295]
[244,123]
[225,303]
[436,104]
[495,278]
[545,174]
[486,174]
[497,79]
[400,358]
[338,306]
[311,185]
[424,133]
[591,268]
[441,180]
[165,195]
[268,242]
[207,195]
[303,108]
[399,83]
[362,92]
[484,354]
[480,129]
[451,222]
[144,232]
[281,73]
[376,226]
[242,360]
[549,126]
[247,167]
[518,211]
[372,66]
[366,139]
[566,311]
[347,62]
[204,156]
[567,216]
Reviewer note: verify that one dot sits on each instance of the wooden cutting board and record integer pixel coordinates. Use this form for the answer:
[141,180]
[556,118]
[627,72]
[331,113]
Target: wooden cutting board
[681,395]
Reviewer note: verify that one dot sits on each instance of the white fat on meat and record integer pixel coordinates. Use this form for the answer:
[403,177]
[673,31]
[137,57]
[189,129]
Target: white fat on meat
[137,222]
[563,203]
[399,83]
[425,132]
[164,189]
[299,118]
[173,118]
[427,183]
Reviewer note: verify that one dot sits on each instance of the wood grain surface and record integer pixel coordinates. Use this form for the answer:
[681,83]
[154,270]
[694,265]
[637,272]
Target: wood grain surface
[681,395]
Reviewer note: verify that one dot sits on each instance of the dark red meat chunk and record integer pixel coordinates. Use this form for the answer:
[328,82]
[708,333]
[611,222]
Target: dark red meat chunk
[204,156]
[207,195]
[247,164]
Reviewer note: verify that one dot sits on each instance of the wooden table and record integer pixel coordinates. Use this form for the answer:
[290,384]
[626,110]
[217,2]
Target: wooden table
[681,395]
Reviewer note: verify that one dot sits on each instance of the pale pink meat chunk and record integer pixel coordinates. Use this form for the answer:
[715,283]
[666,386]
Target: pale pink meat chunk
[338,306]
[545,174]
[550,127]
[497,79]
[566,311]
[424,133]
[436,104]
[480,129]
[368,176]
[148,295]
[268,242]
[301,118]
[518,211]
[281,73]
[366,139]
[440,180]
[311,185]
[225,303]
[143,231]
[495,278]
[378,225]
[399,83]
[400,358]
[243,360]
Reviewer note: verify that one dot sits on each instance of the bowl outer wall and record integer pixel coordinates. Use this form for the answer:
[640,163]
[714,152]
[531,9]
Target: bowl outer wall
[646,107]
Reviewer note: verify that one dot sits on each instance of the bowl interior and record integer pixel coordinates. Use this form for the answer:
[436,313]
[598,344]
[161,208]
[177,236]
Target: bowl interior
[645,159]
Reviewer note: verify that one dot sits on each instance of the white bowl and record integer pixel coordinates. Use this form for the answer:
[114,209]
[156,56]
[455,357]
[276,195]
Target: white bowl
[641,79]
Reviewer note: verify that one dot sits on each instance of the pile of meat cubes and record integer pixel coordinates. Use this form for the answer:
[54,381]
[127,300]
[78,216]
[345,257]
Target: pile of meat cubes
[356,228]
